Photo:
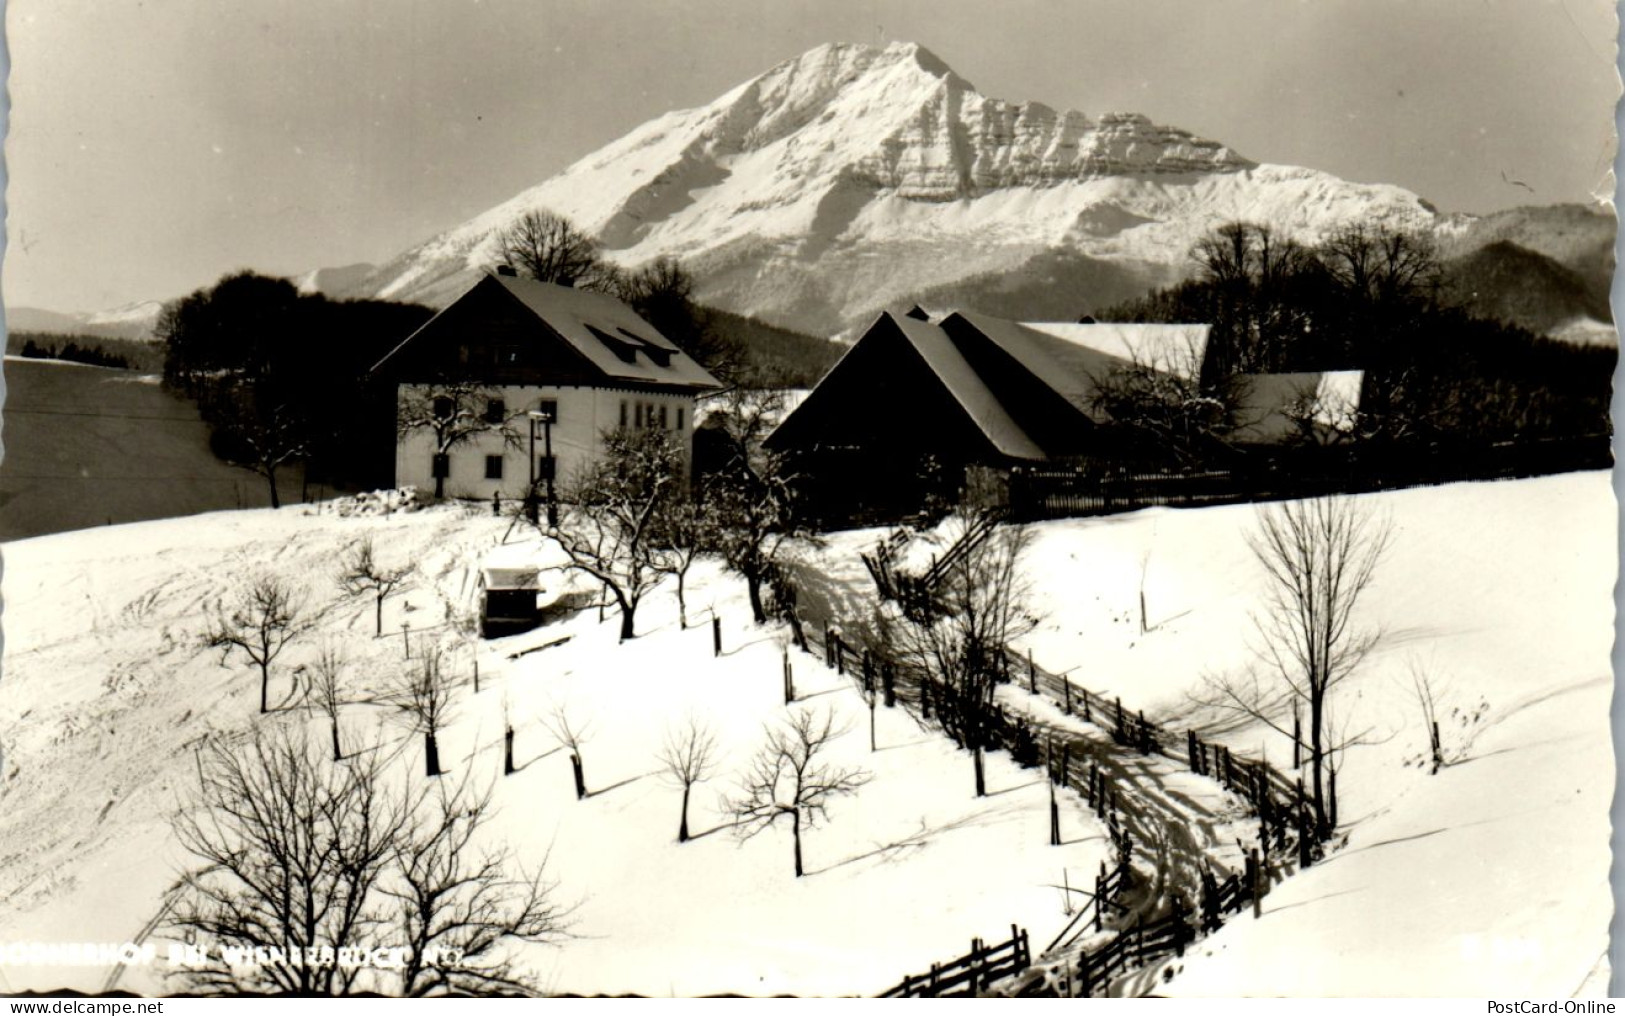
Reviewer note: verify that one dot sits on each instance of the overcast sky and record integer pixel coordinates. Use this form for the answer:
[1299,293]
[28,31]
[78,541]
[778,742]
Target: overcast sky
[156,144]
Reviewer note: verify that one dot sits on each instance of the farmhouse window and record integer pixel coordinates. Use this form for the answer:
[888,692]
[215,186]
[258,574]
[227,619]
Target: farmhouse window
[549,408]
[662,417]
[638,421]
[493,467]
[495,411]
[441,468]
[623,414]
[679,417]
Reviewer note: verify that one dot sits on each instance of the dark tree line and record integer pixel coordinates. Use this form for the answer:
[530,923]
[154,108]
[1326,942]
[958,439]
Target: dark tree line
[280,376]
[1369,298]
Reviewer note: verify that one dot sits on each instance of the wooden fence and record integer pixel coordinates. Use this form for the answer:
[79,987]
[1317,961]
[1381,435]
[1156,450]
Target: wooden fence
[1288,836]
[1068,490]
[970,974]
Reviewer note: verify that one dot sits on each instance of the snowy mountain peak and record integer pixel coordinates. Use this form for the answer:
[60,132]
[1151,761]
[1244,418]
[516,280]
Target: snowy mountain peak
[816,154]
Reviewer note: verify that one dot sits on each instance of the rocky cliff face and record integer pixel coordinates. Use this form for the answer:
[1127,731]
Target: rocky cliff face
[853,177]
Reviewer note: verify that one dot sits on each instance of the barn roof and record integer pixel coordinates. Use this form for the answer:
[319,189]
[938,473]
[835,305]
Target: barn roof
[1071,368]
[1271,405]
[608,333]
[1172,349]
[967,387]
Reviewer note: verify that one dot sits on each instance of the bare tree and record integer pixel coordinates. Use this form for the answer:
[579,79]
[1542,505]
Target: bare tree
[1161,401]
[689,757]
[787,780]
[290,855]
[662,293]
[461,905]
[360,573]
[1386,268]
[265,616]
[299,863]
[610,530]
[424,696]
[1322,416]
[571,734]
[1320,556]
[681,531]
[549,248]
[453,413]
[256,430]
[958,640]
[326,670]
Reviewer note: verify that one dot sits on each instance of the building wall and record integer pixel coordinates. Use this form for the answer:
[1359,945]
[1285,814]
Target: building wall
[583,416]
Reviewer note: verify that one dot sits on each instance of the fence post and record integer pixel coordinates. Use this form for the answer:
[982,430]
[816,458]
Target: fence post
[840,656]
[507,752]
[888,677]
[1054,818]
[1120,716]
[1257,872]
[1297,738]
[1100,898]
[1145,735]
[1086,717]
[789,679]
[1066,686]
[1190,750]
[716,635]
[829,648]
[925,697]
[1032,678]
[868,671]
[1084,988]
[1182,928]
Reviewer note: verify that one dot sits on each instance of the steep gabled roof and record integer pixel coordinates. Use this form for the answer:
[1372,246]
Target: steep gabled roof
[967,387]
[1070,368]
[603,330]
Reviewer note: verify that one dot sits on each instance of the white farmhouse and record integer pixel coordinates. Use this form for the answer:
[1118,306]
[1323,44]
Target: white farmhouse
[515,365]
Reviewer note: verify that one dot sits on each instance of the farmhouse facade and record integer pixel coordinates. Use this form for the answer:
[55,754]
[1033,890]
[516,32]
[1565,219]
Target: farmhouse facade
[514,365]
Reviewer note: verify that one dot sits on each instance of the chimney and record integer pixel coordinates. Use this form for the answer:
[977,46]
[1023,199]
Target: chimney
[508,270]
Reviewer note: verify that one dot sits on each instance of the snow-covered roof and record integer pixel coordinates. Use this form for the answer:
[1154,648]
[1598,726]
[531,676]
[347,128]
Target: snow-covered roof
[1271,406]
[1072,368]
[967,387]
[609,333]
[1172,349]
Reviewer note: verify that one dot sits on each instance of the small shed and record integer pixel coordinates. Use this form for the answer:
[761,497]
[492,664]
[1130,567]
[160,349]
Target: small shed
[508,599]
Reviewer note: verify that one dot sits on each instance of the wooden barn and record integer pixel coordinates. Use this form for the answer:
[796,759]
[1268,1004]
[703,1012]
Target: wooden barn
[914,403]
[565,364]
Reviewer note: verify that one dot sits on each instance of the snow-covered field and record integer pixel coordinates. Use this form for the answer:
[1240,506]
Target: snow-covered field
[1489,878]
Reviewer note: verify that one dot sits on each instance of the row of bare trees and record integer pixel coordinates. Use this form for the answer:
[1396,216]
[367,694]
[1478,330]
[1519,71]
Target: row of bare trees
[315,878]
[633,518]
[268,613]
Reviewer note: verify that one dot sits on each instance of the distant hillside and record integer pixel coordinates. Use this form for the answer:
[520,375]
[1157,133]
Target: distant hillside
[89,446]
[792,359]
[1508,282]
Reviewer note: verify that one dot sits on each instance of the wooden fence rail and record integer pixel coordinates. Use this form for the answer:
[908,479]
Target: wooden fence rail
[970,974]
